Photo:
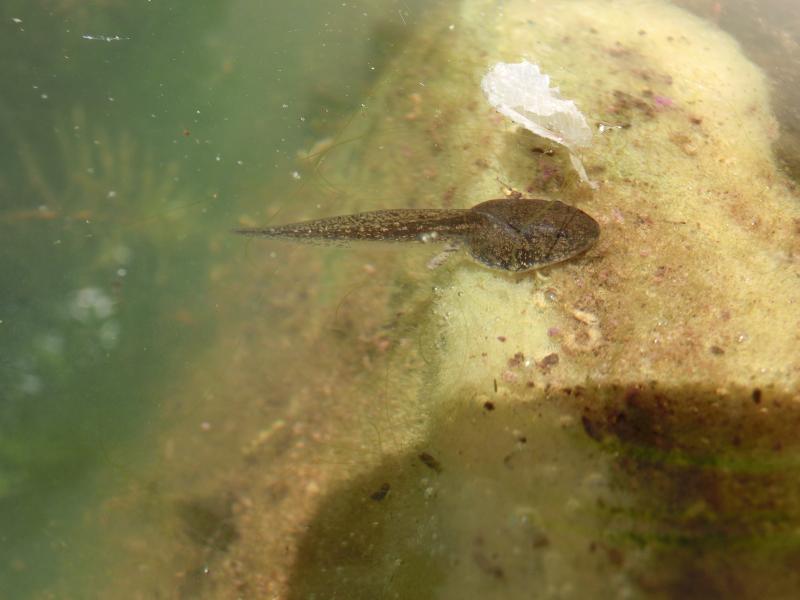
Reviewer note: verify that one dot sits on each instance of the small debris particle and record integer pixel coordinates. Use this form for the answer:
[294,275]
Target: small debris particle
[501,338]
[548,361]
[104,38]
[485,565]
[539,150]
[540,541]
[488,405]
[590,429]
[516,360]
[757,395]
[695,120]
[381,493]
[495,386]
[662,101]
[717,351]
[509,376]
[429,461]
[585,317]
[624,102]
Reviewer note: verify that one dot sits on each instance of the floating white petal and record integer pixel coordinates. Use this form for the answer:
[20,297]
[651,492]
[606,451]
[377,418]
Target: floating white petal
[522,92]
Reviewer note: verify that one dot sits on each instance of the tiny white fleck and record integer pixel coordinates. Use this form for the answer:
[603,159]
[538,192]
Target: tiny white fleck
[112,194]
[451,27]
[122,272]
[295,175]
[16,20]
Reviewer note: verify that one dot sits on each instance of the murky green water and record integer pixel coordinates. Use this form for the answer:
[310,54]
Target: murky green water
[135,135]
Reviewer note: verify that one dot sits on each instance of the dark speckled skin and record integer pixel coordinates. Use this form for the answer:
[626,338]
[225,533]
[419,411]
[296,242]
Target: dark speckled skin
[512,234]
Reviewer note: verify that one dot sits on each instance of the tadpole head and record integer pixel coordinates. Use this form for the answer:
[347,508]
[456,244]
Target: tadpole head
[520,234]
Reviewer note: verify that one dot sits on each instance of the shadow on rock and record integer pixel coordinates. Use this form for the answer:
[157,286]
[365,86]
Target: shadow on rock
[575,492]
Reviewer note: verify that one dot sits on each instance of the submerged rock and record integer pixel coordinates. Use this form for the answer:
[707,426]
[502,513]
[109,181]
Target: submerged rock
[657,444]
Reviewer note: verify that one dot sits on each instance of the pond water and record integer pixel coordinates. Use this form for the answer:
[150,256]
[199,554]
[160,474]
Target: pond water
[186,413]
[136,136]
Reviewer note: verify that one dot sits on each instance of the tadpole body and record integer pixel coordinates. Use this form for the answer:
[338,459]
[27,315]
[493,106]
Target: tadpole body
[511,234]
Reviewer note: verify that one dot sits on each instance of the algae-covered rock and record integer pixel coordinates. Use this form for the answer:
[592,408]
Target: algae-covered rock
[622,426]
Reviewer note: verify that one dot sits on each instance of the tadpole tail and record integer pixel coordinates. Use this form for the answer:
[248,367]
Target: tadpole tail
[401,225]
